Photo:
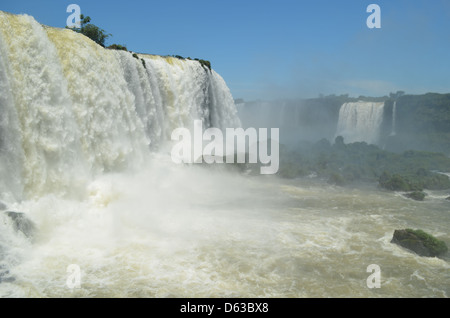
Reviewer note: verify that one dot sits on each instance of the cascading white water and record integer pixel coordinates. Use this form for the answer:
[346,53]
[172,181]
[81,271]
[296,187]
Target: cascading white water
[72,115]
[188,92]
[72,109]
[11,152]
[394,119]
[360,121]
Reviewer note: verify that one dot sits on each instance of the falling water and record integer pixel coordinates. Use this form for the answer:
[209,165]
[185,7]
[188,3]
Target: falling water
[72,109]
[394,119]
[360,121]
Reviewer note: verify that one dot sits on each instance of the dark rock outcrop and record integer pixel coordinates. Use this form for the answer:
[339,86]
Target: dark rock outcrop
[419,242]
[416,195]
[22,223]
[19,222]
[5,276]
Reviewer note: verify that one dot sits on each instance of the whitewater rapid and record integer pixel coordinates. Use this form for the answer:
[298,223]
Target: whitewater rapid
[171,231]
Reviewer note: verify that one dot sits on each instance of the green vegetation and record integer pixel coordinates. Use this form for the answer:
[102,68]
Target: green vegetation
[143,63]
[117,47]
[99,36]
[395,182]
[428,113]
[124,48]
[416,195]
[437,247]
[421,179]
[420,242]
[422,123]
[343,164]
[203,63]
[92,31]
[336,179]
[142,60]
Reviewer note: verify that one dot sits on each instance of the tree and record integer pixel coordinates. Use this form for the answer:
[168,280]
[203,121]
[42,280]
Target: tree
[396,95]
[92,31]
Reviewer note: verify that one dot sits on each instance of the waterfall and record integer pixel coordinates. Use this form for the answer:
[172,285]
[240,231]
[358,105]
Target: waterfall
[360,121]
[394,115]
[71,110]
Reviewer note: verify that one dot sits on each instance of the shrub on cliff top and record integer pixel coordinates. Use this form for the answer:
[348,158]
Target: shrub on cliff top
[117,47]
[92,31]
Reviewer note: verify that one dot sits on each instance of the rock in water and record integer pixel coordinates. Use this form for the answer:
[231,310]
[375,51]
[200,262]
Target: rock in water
[2,206]
[22,223]
[416,195]
[419,242]
[5,277]
[18,222]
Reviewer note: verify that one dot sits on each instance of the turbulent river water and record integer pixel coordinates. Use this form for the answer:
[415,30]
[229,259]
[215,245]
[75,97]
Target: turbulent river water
[173,231]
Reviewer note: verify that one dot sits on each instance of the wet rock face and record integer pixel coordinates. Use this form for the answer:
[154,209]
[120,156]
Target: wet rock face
[5,276]
[419,242]
[416,195]
[21,223]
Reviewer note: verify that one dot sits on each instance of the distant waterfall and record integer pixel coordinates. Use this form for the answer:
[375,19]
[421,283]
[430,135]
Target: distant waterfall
[360,121]
[394,115]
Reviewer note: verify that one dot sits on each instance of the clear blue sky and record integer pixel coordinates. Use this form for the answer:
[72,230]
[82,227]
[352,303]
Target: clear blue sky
[282,49]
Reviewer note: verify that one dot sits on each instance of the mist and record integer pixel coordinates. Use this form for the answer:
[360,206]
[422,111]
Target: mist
[299,120]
